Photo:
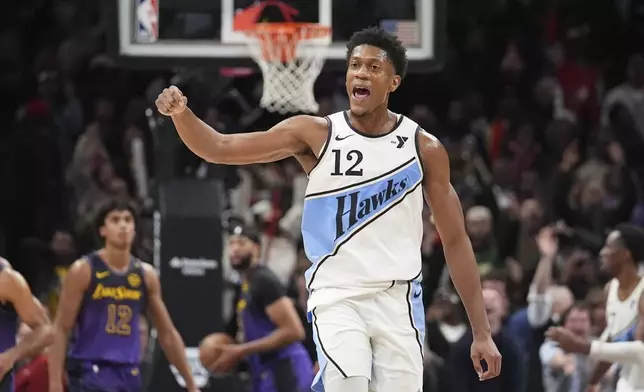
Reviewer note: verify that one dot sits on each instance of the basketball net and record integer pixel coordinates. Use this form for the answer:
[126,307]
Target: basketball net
[290,56]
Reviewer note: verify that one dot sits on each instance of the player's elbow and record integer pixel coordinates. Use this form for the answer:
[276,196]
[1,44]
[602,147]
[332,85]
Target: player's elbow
[295,332]
[218,152]
[455,241]
[168,337]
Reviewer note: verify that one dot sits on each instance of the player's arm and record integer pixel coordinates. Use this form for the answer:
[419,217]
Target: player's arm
[269,293]
[168,336]
[16,290]
[73,289]
[282,141]
[448,216]
[450,223]
[602,367]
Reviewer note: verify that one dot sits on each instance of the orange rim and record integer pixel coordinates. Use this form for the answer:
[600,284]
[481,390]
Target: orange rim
[268,35]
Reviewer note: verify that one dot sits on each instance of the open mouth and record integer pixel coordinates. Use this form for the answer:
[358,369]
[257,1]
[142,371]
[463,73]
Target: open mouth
[361,92]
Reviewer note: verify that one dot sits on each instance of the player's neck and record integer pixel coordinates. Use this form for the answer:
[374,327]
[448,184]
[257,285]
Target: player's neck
[118,259]
[374,122]
[628,278]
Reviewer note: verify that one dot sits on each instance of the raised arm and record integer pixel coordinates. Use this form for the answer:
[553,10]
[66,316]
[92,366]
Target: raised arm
[448,216]
[290,137]
[169,338]
[73,288]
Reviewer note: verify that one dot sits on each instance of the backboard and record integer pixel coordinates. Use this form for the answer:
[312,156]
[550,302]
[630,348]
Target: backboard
[166,33]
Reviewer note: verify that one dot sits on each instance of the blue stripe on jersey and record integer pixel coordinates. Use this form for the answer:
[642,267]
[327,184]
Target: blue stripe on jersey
[328,220]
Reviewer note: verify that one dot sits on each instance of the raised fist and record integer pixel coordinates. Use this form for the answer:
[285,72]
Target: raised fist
[171,101]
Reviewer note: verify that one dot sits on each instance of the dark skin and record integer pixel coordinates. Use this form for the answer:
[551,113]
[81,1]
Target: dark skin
[15,290]
[118,231]
[571,343]
[369,68]
[282,313]
[618,262]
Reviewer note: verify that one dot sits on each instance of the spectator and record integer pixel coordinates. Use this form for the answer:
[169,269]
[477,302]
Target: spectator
[512,379]
[567,372]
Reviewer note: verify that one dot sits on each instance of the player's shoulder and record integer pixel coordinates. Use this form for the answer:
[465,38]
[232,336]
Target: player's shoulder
[8,274]
[303,123]
[145,268]
[264,276]
[427,141]
[431,151]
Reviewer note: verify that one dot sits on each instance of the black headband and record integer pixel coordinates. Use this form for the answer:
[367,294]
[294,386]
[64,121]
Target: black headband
[246,231]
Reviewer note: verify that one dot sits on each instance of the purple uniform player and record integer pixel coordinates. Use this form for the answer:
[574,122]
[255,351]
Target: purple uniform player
[102,298]
[267,322]
[16,301]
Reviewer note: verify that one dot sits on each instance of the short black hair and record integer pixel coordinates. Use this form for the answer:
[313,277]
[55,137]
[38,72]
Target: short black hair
[632,238]
[375,36]
[115,205]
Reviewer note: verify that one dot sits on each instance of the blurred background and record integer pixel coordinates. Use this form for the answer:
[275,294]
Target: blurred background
[539,103]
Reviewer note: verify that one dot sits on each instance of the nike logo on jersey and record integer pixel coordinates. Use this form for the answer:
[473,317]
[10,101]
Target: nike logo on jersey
[417,294]
[355,209]
[338,138]
[101,275]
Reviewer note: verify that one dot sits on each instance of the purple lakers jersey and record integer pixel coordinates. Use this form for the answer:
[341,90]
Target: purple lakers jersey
[286,369]
[107,325]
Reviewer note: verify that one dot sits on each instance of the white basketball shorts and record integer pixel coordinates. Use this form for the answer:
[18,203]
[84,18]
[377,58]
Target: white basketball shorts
[379,336]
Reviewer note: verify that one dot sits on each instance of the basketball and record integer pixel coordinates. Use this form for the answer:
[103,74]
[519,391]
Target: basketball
[210,348]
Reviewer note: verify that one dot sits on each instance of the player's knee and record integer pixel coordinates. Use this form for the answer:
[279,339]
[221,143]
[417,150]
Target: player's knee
[335,381]
[352,384]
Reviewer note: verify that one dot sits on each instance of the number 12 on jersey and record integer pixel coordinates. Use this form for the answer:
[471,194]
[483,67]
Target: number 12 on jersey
[118,320]
[352,170]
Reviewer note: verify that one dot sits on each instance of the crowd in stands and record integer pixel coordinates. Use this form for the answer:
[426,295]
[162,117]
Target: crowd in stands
[540,105]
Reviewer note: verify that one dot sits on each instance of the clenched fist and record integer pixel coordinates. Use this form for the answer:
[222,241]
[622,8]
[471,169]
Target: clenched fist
[171,101]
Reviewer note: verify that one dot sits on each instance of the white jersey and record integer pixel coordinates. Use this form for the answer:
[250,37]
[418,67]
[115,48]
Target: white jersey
[621,316]
[362,221]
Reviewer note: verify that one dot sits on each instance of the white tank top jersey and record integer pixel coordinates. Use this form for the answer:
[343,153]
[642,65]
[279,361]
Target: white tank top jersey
[621,316]
[362,221]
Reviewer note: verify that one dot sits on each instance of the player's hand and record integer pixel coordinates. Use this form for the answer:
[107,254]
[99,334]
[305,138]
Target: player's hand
[593,388]
[230,356]
[567,340]
[171,101]
[484,349]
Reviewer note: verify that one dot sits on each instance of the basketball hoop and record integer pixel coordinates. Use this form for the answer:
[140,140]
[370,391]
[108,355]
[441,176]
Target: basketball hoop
[290,56]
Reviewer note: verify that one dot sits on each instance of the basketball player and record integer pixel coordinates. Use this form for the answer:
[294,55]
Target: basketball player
[623,249]
[629,354]
[17,301]
[266,318]
[362,222]
[102,298]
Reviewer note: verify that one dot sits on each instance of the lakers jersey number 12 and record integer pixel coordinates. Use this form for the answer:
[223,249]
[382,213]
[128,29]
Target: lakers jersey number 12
[362,221]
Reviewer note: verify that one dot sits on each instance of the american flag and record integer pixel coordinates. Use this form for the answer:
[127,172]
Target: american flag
[406,30]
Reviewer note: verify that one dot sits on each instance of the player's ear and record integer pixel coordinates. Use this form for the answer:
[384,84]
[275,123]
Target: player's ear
[395,83]
[101,231]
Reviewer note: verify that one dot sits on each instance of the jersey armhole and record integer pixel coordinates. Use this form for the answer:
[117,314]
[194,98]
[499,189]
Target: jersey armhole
[417,133]
[325,147]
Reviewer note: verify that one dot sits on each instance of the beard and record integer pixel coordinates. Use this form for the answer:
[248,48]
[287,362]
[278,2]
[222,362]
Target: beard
[243,264]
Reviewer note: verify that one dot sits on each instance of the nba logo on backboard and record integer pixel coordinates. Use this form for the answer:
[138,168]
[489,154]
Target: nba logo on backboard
[147,21]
